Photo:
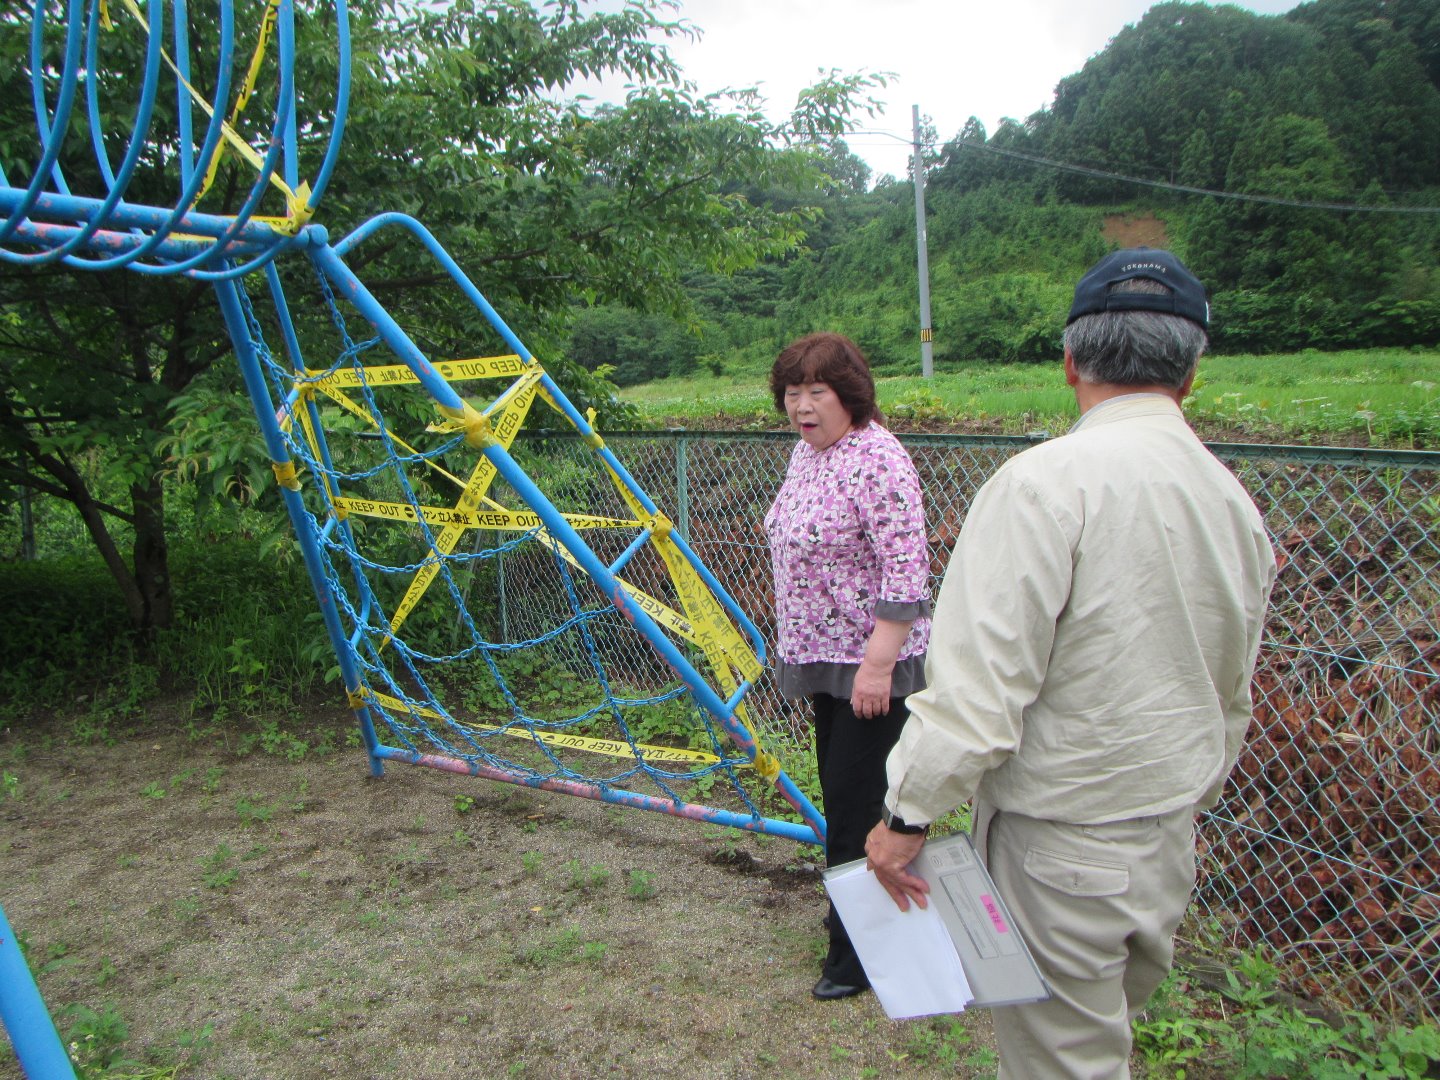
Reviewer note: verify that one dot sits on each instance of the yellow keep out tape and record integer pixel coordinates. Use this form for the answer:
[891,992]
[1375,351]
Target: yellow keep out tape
[287,422]
[470,500]
[247,88]
[479,367]
[608,747]
[513,520]
[709,624]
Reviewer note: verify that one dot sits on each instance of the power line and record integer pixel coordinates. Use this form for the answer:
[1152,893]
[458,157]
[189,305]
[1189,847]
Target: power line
[1272,200]
[1103,174]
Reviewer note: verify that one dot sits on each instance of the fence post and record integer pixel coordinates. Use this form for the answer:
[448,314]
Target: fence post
[682,486]
[500,587]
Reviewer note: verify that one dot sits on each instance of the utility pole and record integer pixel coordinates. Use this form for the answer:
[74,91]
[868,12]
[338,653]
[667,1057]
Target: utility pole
[927,348]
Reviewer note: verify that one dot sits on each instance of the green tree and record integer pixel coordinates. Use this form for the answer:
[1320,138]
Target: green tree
[636,347]
[1197,158]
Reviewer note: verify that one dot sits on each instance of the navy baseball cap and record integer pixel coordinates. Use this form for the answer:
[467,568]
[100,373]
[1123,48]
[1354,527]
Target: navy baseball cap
[1186,297]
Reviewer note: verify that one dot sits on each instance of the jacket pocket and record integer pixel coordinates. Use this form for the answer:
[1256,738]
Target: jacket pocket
[1076,877]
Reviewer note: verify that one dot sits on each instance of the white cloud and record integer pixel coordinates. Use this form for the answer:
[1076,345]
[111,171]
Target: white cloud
[953,58]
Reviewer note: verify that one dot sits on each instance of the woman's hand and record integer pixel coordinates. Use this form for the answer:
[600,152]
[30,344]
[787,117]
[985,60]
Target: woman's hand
[870,695]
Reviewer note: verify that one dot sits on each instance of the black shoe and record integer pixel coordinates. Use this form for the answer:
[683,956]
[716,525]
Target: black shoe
[829,990]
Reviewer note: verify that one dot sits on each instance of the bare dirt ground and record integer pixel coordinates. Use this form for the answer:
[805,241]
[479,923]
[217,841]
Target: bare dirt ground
[303,919]
[1135,230]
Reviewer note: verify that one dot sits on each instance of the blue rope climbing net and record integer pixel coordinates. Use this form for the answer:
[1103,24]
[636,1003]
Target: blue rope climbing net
[414,528]
[406,524]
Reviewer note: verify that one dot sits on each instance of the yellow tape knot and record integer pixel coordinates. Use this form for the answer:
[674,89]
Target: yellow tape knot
[593,436]
[340,513]
[476,425]
[660,527]
[355,698]
[298,209]
[285,474]
[767,766]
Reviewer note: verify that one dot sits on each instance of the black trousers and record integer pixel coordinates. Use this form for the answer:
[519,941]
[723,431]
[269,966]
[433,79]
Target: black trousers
[850,752]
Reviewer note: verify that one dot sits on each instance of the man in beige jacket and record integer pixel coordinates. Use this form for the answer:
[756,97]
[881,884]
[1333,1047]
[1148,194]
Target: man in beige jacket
[1089,673]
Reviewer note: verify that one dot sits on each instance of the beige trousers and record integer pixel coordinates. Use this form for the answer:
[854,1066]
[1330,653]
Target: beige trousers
[1098,905]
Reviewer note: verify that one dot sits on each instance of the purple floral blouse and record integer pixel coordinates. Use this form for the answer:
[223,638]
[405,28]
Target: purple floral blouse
[847,542]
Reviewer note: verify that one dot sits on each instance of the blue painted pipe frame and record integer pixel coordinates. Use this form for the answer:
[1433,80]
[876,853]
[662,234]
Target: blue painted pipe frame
[436,385]
[803,834]
[22,1010]
[47,224]
[32,204]
[346,284]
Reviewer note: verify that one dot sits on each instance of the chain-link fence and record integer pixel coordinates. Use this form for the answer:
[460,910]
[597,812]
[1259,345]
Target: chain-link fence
[1326,849]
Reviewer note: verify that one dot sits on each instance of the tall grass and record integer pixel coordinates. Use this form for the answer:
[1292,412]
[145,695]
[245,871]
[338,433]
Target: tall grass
[1381,396]
[701,396]
[1391,395]
[246,629]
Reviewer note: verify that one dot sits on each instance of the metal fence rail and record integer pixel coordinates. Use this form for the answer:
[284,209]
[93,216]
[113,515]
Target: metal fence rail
[1326,849]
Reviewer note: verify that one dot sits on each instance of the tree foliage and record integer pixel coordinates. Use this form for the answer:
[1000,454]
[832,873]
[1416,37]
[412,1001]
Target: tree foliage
[631,346]
[1333,103]
[458,116]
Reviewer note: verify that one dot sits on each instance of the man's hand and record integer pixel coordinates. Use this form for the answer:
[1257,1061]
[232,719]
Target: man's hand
[890,854]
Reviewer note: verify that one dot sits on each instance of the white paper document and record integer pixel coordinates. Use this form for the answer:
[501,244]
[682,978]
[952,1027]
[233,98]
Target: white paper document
[962,948]
[913,968]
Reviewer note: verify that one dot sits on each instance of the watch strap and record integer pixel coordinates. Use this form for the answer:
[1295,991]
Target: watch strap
[895,823]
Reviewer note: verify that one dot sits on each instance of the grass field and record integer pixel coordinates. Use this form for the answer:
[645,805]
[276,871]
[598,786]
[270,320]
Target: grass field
[1386,397]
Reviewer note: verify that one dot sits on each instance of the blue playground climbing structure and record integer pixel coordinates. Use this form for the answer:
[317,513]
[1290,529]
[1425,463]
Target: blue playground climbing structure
[403,523]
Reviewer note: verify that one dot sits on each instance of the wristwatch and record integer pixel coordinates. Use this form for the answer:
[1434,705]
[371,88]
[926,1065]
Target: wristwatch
[895,823]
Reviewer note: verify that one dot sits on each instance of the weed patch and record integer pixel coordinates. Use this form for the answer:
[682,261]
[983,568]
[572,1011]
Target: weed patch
[1248,1032]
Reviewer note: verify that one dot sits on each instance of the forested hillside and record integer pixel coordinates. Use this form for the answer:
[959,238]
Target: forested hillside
[1248,143]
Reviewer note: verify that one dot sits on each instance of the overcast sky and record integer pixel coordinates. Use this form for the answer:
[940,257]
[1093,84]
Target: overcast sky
[953,58]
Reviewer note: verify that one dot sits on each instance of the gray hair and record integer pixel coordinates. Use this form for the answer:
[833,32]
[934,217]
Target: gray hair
[1135,348]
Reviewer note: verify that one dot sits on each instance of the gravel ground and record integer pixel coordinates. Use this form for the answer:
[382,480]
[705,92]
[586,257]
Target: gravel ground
[253,916]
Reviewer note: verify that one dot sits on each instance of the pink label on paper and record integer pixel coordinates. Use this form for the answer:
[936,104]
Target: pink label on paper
[994,911]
